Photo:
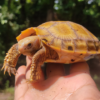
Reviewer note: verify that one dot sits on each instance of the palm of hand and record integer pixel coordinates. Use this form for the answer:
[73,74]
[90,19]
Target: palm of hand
[76,86]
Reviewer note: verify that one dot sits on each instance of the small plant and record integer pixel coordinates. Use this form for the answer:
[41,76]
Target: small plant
[7,84]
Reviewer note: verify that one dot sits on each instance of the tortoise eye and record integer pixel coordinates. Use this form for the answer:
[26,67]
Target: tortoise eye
[29,45]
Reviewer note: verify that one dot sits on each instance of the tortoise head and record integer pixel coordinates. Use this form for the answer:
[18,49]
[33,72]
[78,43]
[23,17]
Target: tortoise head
[29,45]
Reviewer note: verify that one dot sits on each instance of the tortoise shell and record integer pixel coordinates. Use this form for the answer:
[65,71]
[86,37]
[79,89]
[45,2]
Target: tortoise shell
[72,42]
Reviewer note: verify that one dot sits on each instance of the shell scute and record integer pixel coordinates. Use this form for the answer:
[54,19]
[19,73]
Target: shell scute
[91,46]
[96,43]
[80,45]
[56,43]
[80,31]
[50,39]
[42,32]
[46,25]
[68,45]
[93,37]
[62,31]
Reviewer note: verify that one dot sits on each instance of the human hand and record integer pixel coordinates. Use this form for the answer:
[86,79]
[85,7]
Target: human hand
[77,86]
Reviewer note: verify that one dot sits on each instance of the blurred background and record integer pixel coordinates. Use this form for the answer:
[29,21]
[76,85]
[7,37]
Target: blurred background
[17,15]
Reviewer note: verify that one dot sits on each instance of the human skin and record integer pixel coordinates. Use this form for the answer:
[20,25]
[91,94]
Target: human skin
[78,85]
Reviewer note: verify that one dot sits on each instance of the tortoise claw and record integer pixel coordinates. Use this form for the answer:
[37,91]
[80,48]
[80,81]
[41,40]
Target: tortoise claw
[9,70]
[2,68]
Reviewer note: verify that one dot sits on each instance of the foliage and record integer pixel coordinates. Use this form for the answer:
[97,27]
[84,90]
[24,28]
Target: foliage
[7,84]
[85,12]
[17,15]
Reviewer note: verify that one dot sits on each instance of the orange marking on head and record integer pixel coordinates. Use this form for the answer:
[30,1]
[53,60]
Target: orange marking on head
[28,32]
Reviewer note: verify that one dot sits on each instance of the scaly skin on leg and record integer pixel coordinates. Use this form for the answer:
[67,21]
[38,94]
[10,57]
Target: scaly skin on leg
[38,59]
[11,60]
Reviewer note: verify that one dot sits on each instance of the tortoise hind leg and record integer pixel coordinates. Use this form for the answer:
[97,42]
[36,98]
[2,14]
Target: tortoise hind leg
[38,59]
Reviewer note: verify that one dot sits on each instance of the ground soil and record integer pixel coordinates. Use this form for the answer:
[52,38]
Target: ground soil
[6,96]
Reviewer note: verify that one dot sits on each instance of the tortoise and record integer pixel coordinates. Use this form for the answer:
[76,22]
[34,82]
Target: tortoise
[53,41]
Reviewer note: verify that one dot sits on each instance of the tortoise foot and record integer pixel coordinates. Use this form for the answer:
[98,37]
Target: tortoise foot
[9,70]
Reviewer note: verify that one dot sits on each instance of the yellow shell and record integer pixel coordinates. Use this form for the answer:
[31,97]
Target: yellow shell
[73,42]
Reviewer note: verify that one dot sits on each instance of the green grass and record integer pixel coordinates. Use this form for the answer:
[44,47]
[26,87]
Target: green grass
[9,90]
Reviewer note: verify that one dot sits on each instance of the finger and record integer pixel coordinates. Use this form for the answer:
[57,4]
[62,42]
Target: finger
[20,75]
[79,76]
[28,61]
[81,67]
[28,65]
[28,71]
[53,69]
[20,83]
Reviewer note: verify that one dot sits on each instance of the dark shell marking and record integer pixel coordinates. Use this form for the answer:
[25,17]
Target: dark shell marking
[69,36]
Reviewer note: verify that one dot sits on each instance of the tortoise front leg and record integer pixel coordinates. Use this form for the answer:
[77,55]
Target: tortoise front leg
[11,60]
[38,59]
